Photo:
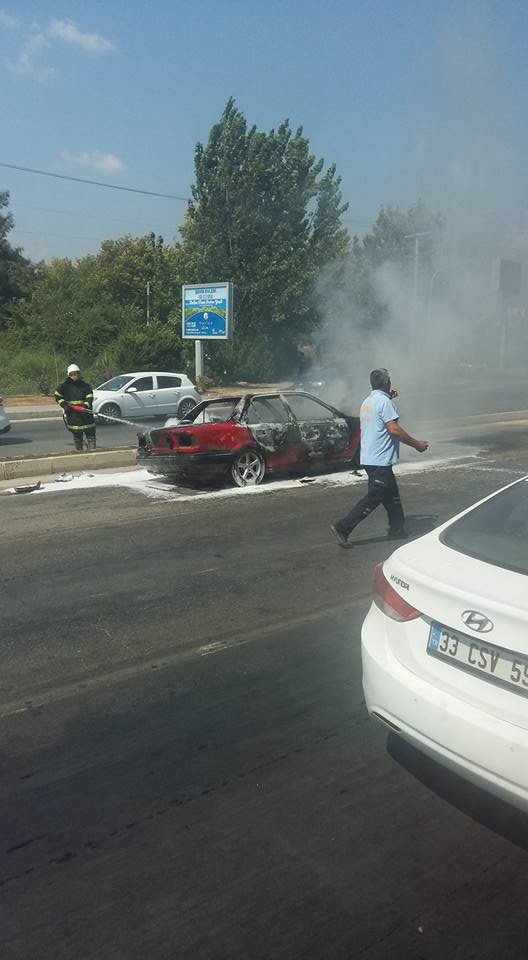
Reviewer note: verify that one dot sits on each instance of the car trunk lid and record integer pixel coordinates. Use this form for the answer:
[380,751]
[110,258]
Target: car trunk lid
[473,599]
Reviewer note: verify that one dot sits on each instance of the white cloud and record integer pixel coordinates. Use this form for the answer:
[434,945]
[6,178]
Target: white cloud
[25,64]
[68,32]
[6,20]
[102,162]
[37,39]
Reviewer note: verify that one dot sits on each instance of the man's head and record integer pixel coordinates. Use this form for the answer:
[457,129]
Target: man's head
[73,372]
[380,380]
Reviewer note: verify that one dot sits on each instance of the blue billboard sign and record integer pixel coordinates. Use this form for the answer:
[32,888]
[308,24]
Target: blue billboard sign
[207,311]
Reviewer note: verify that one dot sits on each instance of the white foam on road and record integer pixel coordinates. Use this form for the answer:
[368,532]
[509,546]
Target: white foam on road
[144,483]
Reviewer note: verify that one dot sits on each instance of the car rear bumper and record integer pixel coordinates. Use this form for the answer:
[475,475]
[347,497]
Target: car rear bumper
[192,465]
[488,751]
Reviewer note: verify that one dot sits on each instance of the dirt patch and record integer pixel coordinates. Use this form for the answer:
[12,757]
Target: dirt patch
[30,400]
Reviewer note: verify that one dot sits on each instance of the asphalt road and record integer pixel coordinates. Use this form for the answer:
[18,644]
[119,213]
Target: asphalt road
[41,437]
[187,767]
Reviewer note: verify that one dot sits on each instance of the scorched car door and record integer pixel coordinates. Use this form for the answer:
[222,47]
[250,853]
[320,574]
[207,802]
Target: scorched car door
[324,434]
[275,430]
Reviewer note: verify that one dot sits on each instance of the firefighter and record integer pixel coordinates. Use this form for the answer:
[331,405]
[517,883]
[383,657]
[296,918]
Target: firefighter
[76,398]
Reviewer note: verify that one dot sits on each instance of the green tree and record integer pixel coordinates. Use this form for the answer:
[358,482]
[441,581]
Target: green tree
[156,347]
[122,268]
[16,272]
[264,217]
[81,309]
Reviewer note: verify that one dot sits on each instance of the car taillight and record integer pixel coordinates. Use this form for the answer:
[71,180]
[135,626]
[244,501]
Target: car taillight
[390,602]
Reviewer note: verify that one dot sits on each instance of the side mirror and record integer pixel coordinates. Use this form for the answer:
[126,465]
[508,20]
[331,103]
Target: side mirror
[131,390]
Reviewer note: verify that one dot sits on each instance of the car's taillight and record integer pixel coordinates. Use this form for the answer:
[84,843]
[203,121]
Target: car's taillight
[390,602]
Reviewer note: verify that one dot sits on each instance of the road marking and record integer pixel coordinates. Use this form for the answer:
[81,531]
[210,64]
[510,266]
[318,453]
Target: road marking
[56,418]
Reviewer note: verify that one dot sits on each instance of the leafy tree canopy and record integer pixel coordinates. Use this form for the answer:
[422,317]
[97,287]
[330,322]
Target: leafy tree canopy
[16,273]
[264,216]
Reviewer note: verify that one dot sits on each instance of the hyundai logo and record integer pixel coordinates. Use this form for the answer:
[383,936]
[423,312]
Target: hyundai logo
[477,621]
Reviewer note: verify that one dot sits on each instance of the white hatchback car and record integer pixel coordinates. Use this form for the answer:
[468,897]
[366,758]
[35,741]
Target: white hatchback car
[5,423]
[145,394]
[445,644]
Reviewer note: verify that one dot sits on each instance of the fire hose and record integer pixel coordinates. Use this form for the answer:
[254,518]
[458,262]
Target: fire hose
[104,416]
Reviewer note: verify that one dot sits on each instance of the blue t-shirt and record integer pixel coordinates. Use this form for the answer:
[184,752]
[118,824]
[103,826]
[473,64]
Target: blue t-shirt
[378,447]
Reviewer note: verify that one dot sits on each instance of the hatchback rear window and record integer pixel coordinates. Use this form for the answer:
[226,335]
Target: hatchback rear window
[496,532]
[168,383]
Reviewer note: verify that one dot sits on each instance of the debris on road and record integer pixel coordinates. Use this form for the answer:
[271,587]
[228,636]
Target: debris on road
[64,478]
[28,487]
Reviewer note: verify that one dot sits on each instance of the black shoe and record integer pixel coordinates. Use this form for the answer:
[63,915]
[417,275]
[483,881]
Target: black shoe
[340,537]
[397,535]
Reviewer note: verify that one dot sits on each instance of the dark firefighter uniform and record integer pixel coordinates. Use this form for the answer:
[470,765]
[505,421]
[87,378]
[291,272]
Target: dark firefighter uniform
[76,397]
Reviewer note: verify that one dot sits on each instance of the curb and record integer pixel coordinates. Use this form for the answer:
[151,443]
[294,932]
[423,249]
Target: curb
[48,466]
[19,413]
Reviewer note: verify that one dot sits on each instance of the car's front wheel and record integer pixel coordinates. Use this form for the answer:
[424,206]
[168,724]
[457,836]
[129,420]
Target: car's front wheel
[110,410]
[248,468]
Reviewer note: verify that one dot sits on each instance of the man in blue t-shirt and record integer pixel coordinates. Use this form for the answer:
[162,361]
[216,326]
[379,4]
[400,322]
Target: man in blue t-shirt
[381,435]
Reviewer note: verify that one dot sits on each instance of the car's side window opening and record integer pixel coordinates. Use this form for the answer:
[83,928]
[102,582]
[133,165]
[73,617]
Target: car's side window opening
[143,384]
[266,410]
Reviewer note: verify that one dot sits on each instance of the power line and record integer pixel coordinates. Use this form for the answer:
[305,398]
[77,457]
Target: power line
[63,236]
[94,216]
[93,183]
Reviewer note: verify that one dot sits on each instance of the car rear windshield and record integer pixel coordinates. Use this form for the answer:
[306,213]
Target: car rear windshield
[497,531]
[216,412]
[116,383]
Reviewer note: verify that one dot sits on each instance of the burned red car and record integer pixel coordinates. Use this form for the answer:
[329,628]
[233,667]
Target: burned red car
[248,437]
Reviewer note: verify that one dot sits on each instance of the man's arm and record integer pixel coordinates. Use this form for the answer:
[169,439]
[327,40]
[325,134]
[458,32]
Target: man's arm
[59,398]
[394,428]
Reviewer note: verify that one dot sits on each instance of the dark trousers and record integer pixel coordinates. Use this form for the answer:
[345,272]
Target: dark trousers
[89,433]
[382,488]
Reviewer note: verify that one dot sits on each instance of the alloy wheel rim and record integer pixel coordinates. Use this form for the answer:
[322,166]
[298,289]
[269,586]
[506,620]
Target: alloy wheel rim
[249,467]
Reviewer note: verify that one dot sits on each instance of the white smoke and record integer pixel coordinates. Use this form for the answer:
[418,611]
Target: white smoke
[443,326]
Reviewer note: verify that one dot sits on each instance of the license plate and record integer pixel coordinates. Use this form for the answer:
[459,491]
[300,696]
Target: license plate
[503,667]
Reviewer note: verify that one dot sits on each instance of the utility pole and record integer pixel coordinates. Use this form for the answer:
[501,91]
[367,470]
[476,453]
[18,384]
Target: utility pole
[414,309]
[198,356]
[436,274]
[148,302]
[503,330]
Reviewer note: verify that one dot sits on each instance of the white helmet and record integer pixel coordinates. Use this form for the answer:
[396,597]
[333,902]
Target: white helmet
[73,368]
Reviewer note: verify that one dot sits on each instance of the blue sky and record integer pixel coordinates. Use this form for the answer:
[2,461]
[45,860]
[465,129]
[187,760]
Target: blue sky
[408,98]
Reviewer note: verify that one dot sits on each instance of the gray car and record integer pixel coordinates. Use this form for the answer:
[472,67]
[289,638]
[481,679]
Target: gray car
[5,423]
[145,394]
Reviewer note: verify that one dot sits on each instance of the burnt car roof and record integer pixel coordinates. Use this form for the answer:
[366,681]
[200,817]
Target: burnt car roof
[246,397]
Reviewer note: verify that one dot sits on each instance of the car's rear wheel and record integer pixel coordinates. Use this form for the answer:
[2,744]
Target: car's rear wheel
[248,468]
[185,407]
[109,410]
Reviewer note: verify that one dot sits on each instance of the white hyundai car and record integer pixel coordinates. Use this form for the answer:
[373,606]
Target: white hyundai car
[445,644]
[145,394]
[5,423]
